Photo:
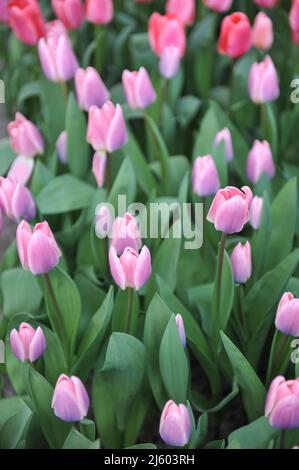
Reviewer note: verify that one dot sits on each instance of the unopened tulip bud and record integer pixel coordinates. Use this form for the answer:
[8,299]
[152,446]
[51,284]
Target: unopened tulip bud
[266,3]
[205,179]
[294,21]
[218,5]
[138,88]
[25,138]
[131,269]
[165,31]
[225,136]
[241,262]
[287,315]
[181,328]
[282,404]
[175,424]
[183,9]
[70,12]
[99,164]
[61,147]
[256,209]
[70,400]
[235,35]
[16,201]
[170,62]
[262,32]
[125,233]
[260,161]
[99,11]
[90,89]
[21,169]
[26,343]
[263,84]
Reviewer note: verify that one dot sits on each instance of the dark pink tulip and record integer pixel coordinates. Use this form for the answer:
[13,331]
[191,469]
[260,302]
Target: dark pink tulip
[229,211]
[263,83]
[282,404]
[27,344]
[21,169]
[235,35]
[181,328]
[70,12]
[184,9]
[26,20]
[90,89]
[70,400]
[99,164]
[99,11]
[287,315]
[256,208]
[294,21]
[170,62]
[16,201]
[241,262]
[175,424]
[25,138]
[138,88]
[225,136]
[165,31]
[131,269]
[61,147]
[218,5]
[260,161]
[267,3]
[37,249]
[262,32]
[205,179]
[125,233]
[4,11]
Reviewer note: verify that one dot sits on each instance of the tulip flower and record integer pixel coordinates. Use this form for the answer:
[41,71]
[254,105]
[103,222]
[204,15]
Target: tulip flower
[16,200]
[256,209]
[99,164]
[99,11]
[106,128]
[260,161]
[205,179]
[282,404]
[229,211]
[56,55]
[181,329]
[21,169]
[175,424]
[70,12]
[294,21]
[26,343]
[225,136]
[267,3]
[183,9]
[262,32]
[241,262]
[235,35]
[165,31]
[37,248]
[287,315]
[25,138]
[263,84]
[61,147]
[131,269]
[170,62]
[125,233]
[4,11]
[218,5]
[90,89]
[138,88]
[70,400]
[26,20]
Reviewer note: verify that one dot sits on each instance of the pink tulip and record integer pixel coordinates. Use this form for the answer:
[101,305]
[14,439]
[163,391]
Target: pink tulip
[181,329]
[61,147]
[175,424]
[27,344]
[21,169]
[70,12]
[90,89]
[99,164]
[25,138]
[16,200]
[229,211]
[106,128]
[294,21]
[241,262]
[4,11]
[26,20]
[183,9]
[205,179]
[165,31]
[262,32]
[70,400]
[260,161]
[287,316]
[125,233]
[225,136]
[282,404]
[256,209]
[235,35]
[99,11]
[170,62]
[138,88]
[56,55]
[266,3]
[131,269]
[263,84]
[218,5]
[37,249]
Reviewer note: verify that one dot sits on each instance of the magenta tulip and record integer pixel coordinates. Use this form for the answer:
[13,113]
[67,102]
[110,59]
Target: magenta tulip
[175,424]
[26,343]
[25,138]
[99,11]
[260,161]
[26,20]
[287,315]
[125,233]
[282,404]
[205,179]
[263,84]
[138,88]
[235,35]
[70,400]
[90,89]
[165,31]
[131,269]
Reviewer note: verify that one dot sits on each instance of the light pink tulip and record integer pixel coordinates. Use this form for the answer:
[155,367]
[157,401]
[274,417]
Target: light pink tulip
[287,315]
[26,20]
[70,12]
[21,169]
[205,179]
[235,35]
[131,269]
[99,11]
[125,233]
[218,5]
[263,84]
[61,147]
[181,328]
[229,211]
[185,10]
[138,88]
[267,3]
[260,161]
[106,128]
[90,89]
[99,164]
[256,210]
[26,343]
[170,62]
[37,249]
[241,262]
[262,32]
[25,138]
[165,31]
[294,21]
[16,201]
[175,424]
[70,400]
[225,136]
[282,404]
[56,55]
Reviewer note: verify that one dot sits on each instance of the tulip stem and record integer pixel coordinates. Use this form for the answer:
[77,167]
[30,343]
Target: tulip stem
[219,273]
[240,308]
[163,99]
[129,311]
[283,439]
[65,91]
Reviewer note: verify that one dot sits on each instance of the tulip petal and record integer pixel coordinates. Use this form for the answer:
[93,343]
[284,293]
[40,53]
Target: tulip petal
[143,268]
[116,269]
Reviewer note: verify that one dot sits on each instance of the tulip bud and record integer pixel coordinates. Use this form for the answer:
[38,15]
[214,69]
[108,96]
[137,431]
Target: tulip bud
[99,11]
[266,3]
[260,161]
[99,164]
[131,269]
[183,9]
[61,147]
[26,20]
[70,12]
[103,221]
[262,32]
[165,31]
[37,249]
[225,136]
[175,424]
[241,262]
[256,209]
[21,169]
[282,404]
[235,35]
[27,344]
[287,315]
[70,400]
[125,233]
[90,89]
[218,5]
[263,84]
[181,329]
[56,55]
[16,200]
[106,128]
[294,21]
[170,62]
[25,138]
[229,211]
[138,89]
[205,179]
